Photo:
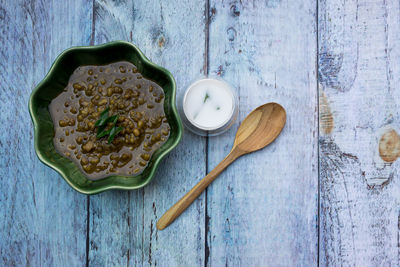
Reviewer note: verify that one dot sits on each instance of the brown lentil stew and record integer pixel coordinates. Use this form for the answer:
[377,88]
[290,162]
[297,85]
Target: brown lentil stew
[139,104]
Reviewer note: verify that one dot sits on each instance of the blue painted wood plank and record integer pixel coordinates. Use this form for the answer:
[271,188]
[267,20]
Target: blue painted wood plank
[263,209]
[359,77]
[43,221]
[123,224]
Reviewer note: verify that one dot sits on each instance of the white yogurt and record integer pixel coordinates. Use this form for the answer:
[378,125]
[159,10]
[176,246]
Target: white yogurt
[209,104]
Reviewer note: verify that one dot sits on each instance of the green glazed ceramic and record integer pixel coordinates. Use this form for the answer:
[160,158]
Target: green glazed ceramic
[57,79]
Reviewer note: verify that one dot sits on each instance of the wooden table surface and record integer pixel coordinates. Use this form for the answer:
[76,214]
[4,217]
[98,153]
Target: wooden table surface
[327,192]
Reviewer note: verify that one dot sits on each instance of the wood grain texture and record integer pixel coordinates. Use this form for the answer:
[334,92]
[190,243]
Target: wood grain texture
[43,220]
[358,81]
[123,224]
[262,210]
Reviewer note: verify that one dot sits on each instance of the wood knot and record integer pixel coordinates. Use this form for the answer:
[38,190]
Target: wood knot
[326,117]
[3,14]
[389,146]
[235,11]
[220,71]
[159,37]
[161,41]
[213,11]
[231,32]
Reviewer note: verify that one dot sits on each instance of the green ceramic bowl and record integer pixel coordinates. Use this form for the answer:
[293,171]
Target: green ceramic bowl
[57,79]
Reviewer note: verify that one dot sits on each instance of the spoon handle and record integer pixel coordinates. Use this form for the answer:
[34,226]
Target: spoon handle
[190,196]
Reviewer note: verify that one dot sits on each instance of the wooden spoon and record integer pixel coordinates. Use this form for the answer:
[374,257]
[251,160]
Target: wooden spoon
[258,130]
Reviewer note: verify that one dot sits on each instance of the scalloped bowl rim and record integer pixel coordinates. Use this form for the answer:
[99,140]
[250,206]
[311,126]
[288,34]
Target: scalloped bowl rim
[157,161]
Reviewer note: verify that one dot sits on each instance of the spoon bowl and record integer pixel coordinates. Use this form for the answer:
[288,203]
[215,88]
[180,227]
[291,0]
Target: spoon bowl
[259,129]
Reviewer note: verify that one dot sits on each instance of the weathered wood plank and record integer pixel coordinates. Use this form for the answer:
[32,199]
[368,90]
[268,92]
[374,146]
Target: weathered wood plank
[262,211]
[43,220]
[359,117]
[123,224]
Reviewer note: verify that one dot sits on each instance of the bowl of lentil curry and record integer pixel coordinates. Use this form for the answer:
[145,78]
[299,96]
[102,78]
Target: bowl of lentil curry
[104,117]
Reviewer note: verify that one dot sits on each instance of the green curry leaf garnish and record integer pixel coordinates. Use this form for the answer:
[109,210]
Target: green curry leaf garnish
[103,133]
[103,118]
[101,125]
[113,132]
[206,97]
